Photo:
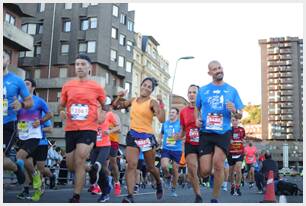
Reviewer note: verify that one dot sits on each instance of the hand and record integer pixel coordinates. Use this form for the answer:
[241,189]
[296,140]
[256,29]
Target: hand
[230,106]
[199,123]
[63,115]
[36,123]
[122,93]
[176,136]
[16,104]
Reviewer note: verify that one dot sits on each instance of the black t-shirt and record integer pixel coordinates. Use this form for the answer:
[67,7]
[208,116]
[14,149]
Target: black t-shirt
[268,165]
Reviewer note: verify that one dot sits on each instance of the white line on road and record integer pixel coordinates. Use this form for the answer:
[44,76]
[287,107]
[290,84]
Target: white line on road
[145,193]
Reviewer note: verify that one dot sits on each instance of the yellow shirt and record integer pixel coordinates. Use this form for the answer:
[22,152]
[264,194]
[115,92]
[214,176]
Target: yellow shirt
[114,137]
[141,116]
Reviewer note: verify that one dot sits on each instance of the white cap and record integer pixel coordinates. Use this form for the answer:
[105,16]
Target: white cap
[108,101]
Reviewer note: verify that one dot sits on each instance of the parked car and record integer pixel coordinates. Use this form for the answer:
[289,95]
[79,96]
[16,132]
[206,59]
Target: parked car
[285,171]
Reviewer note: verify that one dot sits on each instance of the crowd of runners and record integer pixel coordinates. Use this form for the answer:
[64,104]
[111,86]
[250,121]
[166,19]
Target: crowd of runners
[201,144]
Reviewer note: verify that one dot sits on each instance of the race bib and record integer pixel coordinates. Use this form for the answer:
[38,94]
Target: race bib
[79,111]
[23,128]
[99,135]
[235,136]
[214,122]
[235,156]
[144,144]
[171,141]
[250,159]
[5,107]
[194,135]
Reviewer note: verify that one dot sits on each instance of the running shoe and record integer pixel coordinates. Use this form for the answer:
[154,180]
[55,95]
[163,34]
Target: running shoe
[96,190]
[23,195]
[36,196]
[128,199]
[159,191]
[117,189]
[224,188]
[168,182]
[198,199]
[75,199]
[238,191]
[20,174]
[213,201]
[90,188]
[136,189]
[232,190]
[37,180]
[103,198]
[173,192]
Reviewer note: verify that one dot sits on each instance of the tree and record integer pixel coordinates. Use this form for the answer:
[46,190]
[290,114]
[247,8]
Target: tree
[254,114]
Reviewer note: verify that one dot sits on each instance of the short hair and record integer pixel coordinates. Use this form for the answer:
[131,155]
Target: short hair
[268,155]
[194,85]
[176,109]
[213,62]
[33,84]
[85,57]
[153,80]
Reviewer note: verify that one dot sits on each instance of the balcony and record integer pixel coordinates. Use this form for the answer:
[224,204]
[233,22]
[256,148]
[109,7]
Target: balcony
[287,74]
[286,105]
[273,75]
[285,51]
[287,93]
[273,88]
[17,38]
[287,117]
[287,111]
[286,87]
[273,69]
[286,99]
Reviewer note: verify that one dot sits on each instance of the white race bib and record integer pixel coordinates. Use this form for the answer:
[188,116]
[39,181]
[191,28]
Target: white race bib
[144,144]
[214,122]
[194,135]
[171,141]
[99,135]
[23,129]
[5,107]
[79,111]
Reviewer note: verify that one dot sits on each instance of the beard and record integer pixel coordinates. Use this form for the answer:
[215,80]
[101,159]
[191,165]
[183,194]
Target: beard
[219,77]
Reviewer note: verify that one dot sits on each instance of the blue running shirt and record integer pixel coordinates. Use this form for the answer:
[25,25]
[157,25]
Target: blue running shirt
[168,130]
[211,101]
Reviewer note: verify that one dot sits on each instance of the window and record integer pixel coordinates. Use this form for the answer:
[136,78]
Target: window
[82,47]
[127,86]
[37,74]
[90,23]
[121,61]
[29,54]
[85,5]
[129,45]
[128,66]
[93,4]
[29,28]
[37,50]
[122,39]
[40,28]
[91,47]
[64,48]
[41,7]
[114,33]
[115,11]
[68,6]
[66,25]
[63,72]
[130,26]
[113,55]
[123,19]
[107,78]
[10,19]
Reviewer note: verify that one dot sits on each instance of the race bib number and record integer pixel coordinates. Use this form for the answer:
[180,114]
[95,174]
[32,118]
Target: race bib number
[250,159]
[194,135]
[5,107]
[235,136]
[23,128]
[214,122]
[79,111]
[144,144]
[235,156]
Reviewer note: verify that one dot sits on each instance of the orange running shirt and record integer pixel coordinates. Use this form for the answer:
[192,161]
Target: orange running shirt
[114,137]
[250,154]
[81,99]
[103,139]
[142,117]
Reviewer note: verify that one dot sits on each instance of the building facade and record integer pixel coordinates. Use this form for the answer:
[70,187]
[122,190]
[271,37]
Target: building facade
[104,31]
[282,88]
[14,39]
[149,63]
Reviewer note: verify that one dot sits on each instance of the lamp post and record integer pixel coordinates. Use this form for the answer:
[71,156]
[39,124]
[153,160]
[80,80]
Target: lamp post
[171,94]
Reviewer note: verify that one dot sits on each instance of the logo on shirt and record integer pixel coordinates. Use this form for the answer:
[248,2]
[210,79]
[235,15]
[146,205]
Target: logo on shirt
[216,102]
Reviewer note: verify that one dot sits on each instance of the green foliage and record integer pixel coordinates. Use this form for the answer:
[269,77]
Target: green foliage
[254,114]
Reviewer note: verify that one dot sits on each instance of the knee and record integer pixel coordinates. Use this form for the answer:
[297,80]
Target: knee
[218,167]
[205,172]
[132,165]
[151,168]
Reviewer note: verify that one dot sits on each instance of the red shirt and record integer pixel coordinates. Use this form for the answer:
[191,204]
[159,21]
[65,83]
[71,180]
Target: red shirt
[81,99]
[103,139]
[236,146]
[188,124]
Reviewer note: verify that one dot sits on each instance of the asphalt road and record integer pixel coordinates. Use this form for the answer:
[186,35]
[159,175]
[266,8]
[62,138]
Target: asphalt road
[147,195]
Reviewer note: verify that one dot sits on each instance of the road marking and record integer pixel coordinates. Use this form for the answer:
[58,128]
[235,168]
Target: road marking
[145,193]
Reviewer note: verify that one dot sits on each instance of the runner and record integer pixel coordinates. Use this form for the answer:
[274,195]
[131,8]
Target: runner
[216,103]
[80,97]
[226,174]
[171,148]
[13,86]
[114,138]
[250,159]
[141,134]
[235,156]
[191,132]
[30,134]
[98,171]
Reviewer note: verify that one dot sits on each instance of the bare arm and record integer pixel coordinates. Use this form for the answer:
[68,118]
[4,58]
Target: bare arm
[122,104]
[47,129]
[158,111]
[198,118]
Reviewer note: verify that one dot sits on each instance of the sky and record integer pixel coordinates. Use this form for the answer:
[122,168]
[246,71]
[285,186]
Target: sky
[227,32]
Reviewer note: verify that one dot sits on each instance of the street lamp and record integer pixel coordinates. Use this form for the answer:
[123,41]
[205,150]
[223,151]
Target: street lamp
[171,94]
